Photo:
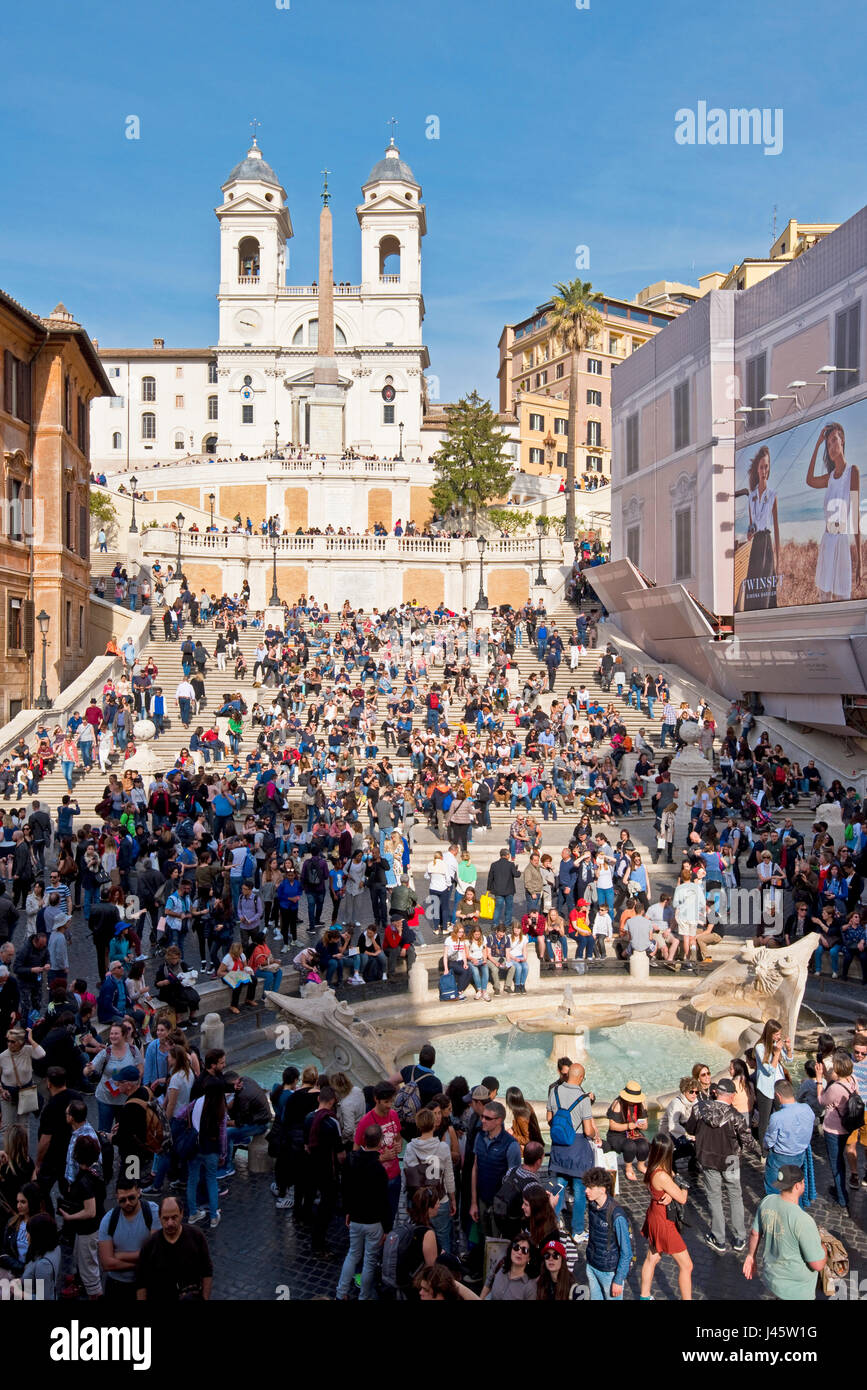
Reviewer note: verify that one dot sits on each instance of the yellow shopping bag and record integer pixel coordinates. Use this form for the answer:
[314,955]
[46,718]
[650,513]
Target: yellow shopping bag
[486,906]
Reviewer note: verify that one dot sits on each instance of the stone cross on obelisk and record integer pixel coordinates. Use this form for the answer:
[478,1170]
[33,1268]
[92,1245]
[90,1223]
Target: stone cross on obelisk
[326,405]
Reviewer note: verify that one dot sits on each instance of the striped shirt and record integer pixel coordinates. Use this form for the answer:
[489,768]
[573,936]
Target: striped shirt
[669,714]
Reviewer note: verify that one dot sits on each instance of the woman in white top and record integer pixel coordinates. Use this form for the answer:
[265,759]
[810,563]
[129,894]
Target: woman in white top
[440,880]
[760,585]
[516,954]
[686,913]
[842,485]
[478,963]
[16,1071]
[456,958]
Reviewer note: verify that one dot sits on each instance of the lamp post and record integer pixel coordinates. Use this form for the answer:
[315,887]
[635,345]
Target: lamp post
[133,482]
[276,435]
[481,601]
[400,449]
[43,619]
[180,520]
[274,542]
[212,499]
[540,529]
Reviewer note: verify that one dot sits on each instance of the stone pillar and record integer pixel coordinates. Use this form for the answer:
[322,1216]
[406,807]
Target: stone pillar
[639,965]
[326,283]
[572,1045]
[213,1033]
[687,769]
[534,970]
[418,982]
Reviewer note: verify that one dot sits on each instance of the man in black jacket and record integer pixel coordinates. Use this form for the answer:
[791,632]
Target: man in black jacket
[31,965]
[502,878]
[104,917]
[368,1214]
[721,1134]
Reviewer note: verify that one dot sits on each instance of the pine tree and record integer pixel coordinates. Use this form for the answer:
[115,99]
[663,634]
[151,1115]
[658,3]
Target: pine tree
[470,465]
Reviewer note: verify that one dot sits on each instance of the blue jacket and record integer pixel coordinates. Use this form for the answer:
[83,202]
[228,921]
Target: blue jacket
[609,1242]
[111,1001]
[494,1158]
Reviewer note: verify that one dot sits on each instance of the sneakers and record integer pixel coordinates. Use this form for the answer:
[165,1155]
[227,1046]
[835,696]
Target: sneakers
[197,1216]
[739,1246]
[284,1203]
[714,1243]
[853,1180]
[275,1189]
[355,979]
[215,1220]
[579,1239]
[225,1173]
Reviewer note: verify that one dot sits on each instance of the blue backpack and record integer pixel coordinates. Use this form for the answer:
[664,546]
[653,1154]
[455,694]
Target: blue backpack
[249,868]
[449,986]
[562,1130]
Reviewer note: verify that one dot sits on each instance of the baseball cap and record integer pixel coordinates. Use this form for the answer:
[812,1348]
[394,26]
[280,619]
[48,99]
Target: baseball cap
[787,1175]
[480,1093]
[127,1074]
[725,1087]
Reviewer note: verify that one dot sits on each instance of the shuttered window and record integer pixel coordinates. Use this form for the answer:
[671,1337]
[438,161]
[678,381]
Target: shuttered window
[631,444]
[681,415]
[847,349]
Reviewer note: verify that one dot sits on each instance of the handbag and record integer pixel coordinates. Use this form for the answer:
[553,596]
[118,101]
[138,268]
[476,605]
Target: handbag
[28,1097]
[675,1212]
[487,906]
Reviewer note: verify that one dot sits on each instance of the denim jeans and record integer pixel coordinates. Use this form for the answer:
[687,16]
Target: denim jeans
[315,903]
[106,1116]
[272,978]
[833,951]
[549,808]
[207,1164]
[503,910]
[67,768]
[239,1137]
[532,902]
[480,976]
[365,1242]
[605,897]
[836,1147]
[579,1200]
[441,1220]
[521,968]
[600,1281]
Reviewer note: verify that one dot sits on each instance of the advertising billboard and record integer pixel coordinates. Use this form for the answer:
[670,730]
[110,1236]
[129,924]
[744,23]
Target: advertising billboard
[798,514]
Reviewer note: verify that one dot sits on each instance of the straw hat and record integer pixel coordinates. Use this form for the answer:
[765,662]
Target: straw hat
[633,1094]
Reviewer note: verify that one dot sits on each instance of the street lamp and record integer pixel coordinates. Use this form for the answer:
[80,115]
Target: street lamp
[276,435]
[481,601]
[133,482]
[212,499]
[43,619]
[274,542]
[400,450]
[180,520]
[540,530]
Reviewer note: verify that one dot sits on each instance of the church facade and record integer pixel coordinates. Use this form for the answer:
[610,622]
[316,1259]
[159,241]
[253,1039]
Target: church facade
[270,380]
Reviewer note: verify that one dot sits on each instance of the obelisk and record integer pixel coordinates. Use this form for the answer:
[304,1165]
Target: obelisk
[326,405]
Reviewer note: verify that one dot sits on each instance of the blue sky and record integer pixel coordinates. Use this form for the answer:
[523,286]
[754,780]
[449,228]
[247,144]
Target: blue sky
[556,130]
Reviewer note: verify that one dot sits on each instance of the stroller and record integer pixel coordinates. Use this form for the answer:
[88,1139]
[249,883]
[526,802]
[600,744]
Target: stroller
[759,818]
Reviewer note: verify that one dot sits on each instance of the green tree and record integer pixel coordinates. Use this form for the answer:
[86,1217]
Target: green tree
[103,513]
[470,466]
[509,519]
[574,319]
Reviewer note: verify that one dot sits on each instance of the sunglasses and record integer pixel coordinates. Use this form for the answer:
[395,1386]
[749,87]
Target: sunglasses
[521,1249]
[553,1256]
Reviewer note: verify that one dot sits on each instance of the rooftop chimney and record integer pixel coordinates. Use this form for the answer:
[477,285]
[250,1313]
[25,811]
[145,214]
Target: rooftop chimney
[159,342]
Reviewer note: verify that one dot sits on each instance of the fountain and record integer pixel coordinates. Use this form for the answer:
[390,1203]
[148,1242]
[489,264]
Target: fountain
[569,1026]
[335,1035]
[757,984]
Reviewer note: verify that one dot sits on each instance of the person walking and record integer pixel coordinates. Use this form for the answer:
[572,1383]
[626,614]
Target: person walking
[721,1134]
[792,1250]
[659,1230]
[573,1132]
[368,1214]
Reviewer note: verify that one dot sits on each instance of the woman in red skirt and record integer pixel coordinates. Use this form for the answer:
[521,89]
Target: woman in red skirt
[662,1234]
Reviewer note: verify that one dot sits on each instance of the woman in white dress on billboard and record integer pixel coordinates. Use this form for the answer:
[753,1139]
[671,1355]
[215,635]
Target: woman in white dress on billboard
[842,484]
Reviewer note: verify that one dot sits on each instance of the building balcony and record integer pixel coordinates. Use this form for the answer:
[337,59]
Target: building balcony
[389,279]
[163,541]
[312,291]
[248,279]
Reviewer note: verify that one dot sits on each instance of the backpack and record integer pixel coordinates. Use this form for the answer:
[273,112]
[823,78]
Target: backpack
[562,1130]
[394,1253]
[314,874]
[852,1118]
[158,1130]
[147,1217]
[447,801]
[433,700]
[836,1263]
[249,868]
[448,986]
[407,1102]
[419,1175]
[506,1205]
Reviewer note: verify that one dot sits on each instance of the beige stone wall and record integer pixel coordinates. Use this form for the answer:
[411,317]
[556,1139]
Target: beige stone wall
[420,503]
[207,577]
[184,496]
[379,507]
[507,586]
[423,586]
[249,501]
[295,508]
[291,581]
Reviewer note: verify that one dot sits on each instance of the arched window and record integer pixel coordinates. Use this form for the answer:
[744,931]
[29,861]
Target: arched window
[248,258]
[212,408]
[179,439]
[210,444]
[148,425]
[14,498]
[339,336]
[115,440]
[389,258]
[298,336]
[212,373]
[148,388]
[313,333]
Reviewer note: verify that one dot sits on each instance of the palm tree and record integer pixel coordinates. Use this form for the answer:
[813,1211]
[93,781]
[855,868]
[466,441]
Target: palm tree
[574,319]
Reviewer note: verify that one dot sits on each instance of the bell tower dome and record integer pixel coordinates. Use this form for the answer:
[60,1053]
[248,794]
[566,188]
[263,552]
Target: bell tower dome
[254,228]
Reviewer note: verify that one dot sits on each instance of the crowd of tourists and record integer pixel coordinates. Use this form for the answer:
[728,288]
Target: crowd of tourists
[286,830]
